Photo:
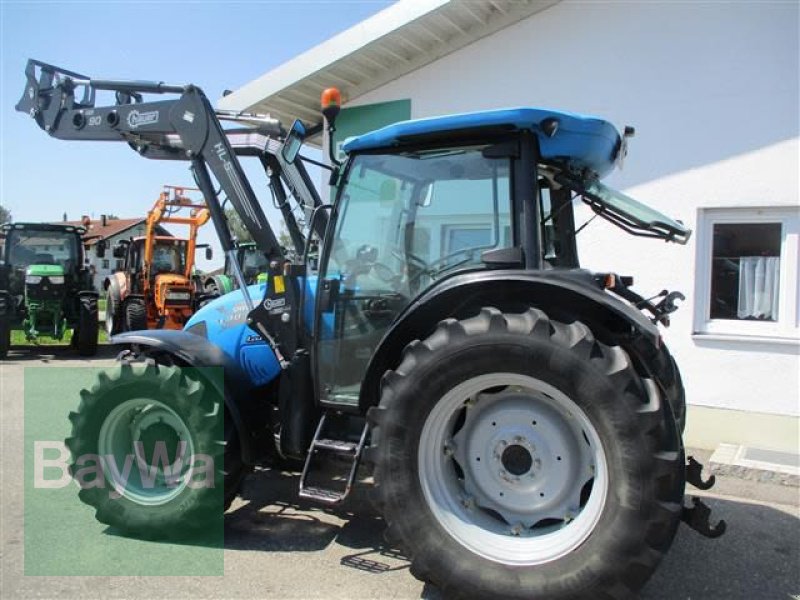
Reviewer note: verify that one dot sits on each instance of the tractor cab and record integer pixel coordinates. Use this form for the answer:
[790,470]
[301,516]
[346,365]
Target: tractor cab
[41,276]
[461,198]
[37,250]
[254,263]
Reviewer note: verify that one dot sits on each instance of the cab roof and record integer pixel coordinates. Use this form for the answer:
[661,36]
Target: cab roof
[582,141]
[43,227]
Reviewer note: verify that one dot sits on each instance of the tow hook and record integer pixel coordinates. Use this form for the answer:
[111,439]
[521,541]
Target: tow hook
[694,475]
[697,516]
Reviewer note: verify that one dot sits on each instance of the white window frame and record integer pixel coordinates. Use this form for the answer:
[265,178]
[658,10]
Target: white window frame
[786,327]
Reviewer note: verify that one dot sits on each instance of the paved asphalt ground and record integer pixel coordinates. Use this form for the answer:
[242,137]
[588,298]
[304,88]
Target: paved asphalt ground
[279,547]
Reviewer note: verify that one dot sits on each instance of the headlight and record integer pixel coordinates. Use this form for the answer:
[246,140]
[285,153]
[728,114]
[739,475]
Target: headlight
[56,279]
[32,278]
[179,296]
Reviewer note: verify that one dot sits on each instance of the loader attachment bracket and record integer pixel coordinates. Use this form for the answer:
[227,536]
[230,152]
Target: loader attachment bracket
[694,475]
[697,516]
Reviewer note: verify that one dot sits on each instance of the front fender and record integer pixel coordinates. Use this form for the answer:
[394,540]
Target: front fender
[565,295]
[245,408]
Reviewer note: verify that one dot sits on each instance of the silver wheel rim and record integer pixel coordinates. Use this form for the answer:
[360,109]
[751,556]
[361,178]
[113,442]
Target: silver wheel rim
[128,424]
[512,469]
[109,321]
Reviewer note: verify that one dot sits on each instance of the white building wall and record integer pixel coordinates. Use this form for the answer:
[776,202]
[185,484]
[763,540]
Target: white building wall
[103,267]
[712,90]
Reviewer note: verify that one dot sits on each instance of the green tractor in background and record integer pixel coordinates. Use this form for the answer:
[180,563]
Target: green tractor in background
[45,288]
[251,261]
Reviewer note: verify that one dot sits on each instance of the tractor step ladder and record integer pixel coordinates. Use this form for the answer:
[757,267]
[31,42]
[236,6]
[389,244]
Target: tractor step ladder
[347,449]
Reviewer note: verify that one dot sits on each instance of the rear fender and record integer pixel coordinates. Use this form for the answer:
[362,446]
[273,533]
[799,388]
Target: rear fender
[564,295]
[248,410]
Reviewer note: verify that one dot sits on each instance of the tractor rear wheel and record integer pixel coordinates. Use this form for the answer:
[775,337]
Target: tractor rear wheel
[86,332]
[162,426]
[518,457]
[5,338]
[135,314]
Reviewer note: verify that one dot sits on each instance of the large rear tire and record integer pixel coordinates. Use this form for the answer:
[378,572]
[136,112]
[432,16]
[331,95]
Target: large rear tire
[518,457]
[88,326]
[135,314]
[127,415]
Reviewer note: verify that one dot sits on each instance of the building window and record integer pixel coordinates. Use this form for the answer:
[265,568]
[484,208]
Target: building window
[120,264]
[464,237]
[747,272]
[105,263]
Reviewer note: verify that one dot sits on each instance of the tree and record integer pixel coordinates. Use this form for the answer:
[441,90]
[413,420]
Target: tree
[284,239]
[5,215]
[238,229]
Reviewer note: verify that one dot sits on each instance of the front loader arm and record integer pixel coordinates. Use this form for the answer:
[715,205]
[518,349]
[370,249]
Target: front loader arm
[185,128]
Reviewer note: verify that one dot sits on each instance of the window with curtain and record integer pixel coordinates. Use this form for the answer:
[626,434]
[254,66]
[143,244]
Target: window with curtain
[745,272]
[748,272]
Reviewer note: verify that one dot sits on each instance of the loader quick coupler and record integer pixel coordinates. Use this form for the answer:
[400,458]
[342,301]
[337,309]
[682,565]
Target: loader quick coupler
[694,475]
[698,517]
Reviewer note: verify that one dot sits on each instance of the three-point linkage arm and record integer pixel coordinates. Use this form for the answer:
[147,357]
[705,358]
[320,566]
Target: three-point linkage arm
[185,127]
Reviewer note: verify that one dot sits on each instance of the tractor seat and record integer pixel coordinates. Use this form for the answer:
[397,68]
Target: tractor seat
[44,259]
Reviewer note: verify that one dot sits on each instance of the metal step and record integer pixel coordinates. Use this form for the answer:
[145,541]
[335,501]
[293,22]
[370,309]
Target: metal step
[338,446]
[322,495]
[341,447]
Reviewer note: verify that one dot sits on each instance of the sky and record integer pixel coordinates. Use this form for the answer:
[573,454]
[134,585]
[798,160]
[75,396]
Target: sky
[216,45]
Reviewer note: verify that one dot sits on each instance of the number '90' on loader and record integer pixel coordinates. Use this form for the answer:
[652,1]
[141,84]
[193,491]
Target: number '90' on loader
[522,415]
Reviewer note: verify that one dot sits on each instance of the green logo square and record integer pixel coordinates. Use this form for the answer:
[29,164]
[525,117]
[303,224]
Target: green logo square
[124,471]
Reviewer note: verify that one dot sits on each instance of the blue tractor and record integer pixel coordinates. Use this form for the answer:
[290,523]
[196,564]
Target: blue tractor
[522,416]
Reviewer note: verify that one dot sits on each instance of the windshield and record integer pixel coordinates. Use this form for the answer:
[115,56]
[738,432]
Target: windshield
[169,257]
[627,213]
[408,219]
[638,215]
[27,247]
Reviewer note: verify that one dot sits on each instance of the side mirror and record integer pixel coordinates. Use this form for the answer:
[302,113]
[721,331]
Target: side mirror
[293,142]
[209,253]
[118,251]
[100,248]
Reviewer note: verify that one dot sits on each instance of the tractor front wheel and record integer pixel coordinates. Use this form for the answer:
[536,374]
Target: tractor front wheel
[86,332]
[162,427]
[113,321]
[135,314]
[518,457]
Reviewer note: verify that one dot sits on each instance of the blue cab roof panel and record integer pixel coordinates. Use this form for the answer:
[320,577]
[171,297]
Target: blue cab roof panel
[581,141]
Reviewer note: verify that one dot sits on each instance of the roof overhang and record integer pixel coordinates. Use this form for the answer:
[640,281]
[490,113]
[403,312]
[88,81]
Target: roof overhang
[394,42]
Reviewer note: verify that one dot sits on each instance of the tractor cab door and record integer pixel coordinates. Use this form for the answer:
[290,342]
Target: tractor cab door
[402,222]
[134,264]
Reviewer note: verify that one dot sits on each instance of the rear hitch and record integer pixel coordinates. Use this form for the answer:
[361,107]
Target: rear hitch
[694,475]
[697,516]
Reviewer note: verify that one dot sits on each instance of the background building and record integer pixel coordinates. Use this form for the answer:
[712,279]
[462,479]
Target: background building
[112,231]
[712,90]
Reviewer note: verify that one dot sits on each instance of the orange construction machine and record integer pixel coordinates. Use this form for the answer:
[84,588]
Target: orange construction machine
[155,287]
